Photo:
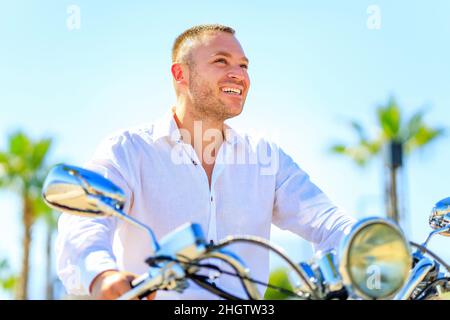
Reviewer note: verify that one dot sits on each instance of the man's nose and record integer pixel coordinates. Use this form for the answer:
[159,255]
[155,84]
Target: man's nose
[237,73]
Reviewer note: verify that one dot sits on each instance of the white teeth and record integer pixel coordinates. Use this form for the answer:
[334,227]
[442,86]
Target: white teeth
[231,90]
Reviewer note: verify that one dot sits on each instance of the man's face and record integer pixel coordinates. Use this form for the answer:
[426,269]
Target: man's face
[218,79]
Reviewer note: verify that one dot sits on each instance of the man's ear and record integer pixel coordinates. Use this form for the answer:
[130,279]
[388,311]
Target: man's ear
[178,73]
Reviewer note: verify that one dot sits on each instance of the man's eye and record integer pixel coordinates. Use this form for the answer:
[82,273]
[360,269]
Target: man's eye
[221,60]
[244,66]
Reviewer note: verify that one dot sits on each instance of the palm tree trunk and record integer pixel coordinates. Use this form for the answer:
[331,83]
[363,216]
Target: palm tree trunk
[393,212]
[395,162]
[27,219]
[49,273]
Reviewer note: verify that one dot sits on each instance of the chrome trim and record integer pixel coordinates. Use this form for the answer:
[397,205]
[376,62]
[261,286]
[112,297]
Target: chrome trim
[86,193]
[240,268]
[66,187]
[440,217]
[312,287]
[331,276]
[308,272]
[442,231]
[110,209]
[185,242]
[165,277]
[416,275]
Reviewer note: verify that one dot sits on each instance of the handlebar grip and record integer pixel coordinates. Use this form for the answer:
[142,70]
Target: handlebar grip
[136,282]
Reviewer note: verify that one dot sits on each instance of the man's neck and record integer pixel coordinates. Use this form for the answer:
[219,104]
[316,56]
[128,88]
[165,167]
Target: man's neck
[205,135]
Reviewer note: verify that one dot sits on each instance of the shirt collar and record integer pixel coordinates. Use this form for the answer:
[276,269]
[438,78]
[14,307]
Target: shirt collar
[231,136]
[166,126]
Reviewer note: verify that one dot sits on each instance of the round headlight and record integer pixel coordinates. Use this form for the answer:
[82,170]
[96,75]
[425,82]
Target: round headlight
[375,259]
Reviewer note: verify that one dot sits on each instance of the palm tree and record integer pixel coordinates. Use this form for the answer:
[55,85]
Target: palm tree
[22,169]
[49,217]
[396,137]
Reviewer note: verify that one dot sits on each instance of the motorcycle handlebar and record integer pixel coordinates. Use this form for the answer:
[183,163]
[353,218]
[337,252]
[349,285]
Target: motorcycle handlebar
[143,286]
[176,271]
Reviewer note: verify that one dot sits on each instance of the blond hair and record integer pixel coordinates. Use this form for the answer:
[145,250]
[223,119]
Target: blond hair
[193,34]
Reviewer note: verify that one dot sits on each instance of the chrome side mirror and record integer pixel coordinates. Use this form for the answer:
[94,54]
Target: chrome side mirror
[75,190]
[82,192]
[440,217]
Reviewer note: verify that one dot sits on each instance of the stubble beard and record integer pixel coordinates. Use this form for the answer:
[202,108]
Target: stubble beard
[205,103]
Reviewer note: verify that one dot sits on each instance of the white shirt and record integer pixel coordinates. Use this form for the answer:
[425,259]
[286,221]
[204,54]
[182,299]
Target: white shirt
[254,183]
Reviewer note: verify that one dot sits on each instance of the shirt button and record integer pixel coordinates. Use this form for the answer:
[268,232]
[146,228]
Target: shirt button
[212,199]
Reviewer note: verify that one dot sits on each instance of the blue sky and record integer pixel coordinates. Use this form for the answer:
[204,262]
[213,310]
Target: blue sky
[313,65]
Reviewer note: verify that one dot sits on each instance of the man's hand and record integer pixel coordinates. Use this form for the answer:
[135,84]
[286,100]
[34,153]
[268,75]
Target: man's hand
[111,284]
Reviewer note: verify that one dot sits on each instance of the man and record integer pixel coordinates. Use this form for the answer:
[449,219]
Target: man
[192,167]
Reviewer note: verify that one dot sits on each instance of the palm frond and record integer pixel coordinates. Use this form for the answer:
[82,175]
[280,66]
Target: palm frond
[19,144]
[361,154]
[8,281]
[338,148]
[389,120]
[359,129]
[413,125]
[39,152]
[423,137]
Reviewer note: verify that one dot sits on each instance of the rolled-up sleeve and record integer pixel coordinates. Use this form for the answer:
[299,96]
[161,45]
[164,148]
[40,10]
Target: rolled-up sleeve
[84,245]
[301,207]
[83,250]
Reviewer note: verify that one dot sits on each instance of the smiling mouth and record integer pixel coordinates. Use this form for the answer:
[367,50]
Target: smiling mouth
[232,91]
